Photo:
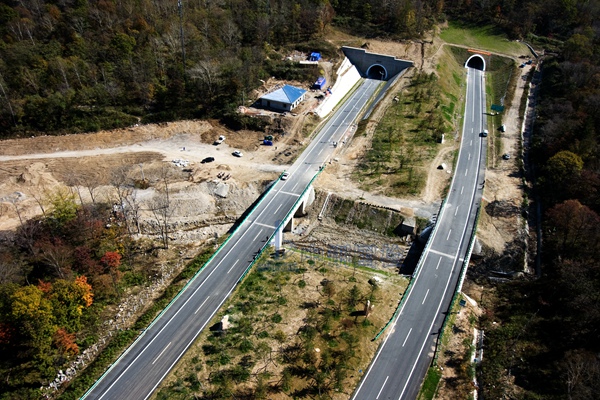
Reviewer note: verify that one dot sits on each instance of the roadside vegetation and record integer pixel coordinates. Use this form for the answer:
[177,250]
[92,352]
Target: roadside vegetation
[409,134]
[298,329]
[485,37]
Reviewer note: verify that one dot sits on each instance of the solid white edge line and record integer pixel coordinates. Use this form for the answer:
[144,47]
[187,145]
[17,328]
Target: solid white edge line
[453,266]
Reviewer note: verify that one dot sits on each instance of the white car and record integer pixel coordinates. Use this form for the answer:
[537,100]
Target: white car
[237,153]
[284,176]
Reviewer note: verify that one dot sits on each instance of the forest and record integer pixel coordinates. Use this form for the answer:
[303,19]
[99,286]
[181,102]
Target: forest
[71,66]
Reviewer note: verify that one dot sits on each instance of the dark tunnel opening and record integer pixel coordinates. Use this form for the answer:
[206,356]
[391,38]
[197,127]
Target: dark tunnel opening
[376,72]
[476,62]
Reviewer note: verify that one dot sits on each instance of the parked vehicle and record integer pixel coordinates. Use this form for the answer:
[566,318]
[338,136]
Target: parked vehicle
[220,140]
[284,176]
[237,153]
[484,133]
[207,160]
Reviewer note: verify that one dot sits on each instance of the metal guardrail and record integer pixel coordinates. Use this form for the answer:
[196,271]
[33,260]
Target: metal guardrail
[280,226]
[415,272]
[461,279]
[263,196]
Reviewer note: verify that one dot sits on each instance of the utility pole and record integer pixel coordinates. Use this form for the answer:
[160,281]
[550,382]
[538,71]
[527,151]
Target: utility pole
[180,7]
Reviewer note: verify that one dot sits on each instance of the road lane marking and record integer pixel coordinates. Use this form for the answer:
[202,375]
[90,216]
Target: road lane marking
[277,209]
[405,339]
[469,156]
[471,144]
[294,188]
[449,232]
[161,353]
[438,264]
[323,148]
[466,171]
[236,261]
[461,189]
[456,212]
[265,225]
[380,390]
[290,194]
[198,309]
[423,302]
[439,253]
[121,374]
[255,237]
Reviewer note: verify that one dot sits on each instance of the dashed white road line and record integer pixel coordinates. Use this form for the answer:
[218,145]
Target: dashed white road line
[456,212]
[449,232]
[424,298]
[438,264]
[161,353]
[198,309]
[406,338]
[255,237]
[236,261]
[380,390]
[461,190]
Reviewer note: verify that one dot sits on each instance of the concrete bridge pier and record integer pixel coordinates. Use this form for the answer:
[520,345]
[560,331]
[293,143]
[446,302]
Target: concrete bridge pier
[300,209]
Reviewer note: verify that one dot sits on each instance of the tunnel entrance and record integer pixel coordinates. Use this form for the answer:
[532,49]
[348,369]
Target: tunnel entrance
[377,71]
[476,62]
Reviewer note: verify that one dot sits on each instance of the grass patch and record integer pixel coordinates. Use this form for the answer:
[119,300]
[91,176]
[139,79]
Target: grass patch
[430,384]
[486,37]
[407,137]
[312,343]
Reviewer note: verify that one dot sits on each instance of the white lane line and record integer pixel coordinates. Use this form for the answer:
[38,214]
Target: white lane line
[405,339]
[471,144]
[305,154]
[277,209]
[198,309]
[265,225]
[323,148]
[294,188]
[423,302]
[449,232]
[445,288]
[438,264]
[236,261]
[439,253]
[456,212]
[380,390]
[469,156]
[290,194]
[461,190]
[255,237]
[161,353]
[466,171]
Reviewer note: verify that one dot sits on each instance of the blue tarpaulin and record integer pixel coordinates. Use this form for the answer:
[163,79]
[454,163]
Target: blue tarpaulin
[314,57]
[320,83]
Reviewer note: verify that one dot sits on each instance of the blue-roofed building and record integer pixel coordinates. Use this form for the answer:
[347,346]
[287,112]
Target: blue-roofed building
[284,99]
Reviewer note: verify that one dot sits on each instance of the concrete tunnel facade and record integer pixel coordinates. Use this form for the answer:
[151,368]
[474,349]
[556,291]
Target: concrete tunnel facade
[476,61]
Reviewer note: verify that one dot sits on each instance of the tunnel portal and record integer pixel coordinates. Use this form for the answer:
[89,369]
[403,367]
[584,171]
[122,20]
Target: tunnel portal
[476,62]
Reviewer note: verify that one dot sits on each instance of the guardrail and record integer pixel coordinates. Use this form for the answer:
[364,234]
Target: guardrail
[415,272]
[263,196]
[280,226]
[463,273]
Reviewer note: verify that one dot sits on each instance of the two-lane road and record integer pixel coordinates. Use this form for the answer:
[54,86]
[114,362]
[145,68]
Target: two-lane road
[144,365]
[403,358]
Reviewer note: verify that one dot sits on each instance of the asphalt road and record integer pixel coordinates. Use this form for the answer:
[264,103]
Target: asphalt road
[144,365]
[402,360]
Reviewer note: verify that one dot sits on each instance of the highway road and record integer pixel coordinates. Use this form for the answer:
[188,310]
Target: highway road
[138,372]
[402,360]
